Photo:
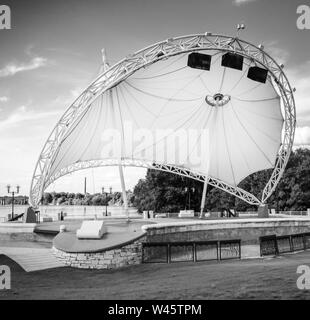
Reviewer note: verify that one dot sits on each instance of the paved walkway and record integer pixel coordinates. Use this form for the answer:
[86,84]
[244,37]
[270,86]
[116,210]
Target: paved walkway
[32,259]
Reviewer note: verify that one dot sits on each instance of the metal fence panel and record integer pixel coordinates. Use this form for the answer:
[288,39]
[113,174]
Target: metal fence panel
[220,250]
[298,242]
[307,240]
[268,245]
[284,244]
[181,252]
[155,253]
[230,249]
[206,251]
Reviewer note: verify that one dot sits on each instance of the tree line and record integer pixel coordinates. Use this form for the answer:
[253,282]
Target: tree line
[97,199]
[166,192]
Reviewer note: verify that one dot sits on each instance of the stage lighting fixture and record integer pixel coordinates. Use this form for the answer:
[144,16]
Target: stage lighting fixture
[258,74]
[232,60]
[199,61]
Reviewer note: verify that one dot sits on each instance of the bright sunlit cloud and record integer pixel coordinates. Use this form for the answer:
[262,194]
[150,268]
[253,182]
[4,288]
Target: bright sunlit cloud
[13,68]
[22,115]
[302,136]
[240,2]
[4,99]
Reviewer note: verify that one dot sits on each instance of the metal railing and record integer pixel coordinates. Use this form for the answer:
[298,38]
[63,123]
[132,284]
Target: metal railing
[192,251]
[275,245]
[294,213]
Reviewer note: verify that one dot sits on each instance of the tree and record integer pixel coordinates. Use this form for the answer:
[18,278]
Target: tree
[97,200]
[47,198]
[165,192]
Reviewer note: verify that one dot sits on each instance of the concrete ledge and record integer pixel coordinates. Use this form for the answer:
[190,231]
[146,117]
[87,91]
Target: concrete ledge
[235,223]
[68,242]
[248,230]
[17,227]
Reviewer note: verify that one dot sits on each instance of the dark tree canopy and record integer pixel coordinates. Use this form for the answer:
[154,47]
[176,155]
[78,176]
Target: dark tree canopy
[167,192]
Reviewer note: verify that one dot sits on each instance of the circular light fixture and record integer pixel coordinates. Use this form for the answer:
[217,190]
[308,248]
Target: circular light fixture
[217,100]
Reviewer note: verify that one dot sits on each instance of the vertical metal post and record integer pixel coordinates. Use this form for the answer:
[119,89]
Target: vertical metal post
[203,199]
[106,204]
[105,66]
[12,205]
[121,174]
[85,182]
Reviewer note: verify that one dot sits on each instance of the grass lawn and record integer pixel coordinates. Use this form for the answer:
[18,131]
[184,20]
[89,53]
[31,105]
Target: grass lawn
[247,279]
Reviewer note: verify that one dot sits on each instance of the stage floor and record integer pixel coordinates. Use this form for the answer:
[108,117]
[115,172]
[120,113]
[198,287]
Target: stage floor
[119,234]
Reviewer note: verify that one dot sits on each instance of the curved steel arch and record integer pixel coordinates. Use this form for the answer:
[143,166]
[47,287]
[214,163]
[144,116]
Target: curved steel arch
[142,58]
[238,192]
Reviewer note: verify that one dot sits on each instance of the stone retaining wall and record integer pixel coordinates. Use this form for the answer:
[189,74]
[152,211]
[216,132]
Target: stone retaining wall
[130,254]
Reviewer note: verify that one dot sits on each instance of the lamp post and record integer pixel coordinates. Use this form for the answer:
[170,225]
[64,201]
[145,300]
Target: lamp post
[13,194]
[106,198]
[193,190]
[188,191]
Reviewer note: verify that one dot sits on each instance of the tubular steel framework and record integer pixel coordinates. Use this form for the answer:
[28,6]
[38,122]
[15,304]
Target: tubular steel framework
[159,51]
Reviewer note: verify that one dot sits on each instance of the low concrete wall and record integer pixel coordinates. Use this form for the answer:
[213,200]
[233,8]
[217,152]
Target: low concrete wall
[16,231]
[248,230]
[129,254]
[17,227]
[33,237]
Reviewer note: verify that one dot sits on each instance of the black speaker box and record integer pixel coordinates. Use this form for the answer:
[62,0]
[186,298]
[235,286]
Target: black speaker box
[258,74]
[199,61]
[232,60]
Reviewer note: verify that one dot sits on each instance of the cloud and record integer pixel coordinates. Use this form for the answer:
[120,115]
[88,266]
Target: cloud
[4,99]
[65,51]
[302,136]
[277,53]
[22,115]
[65,100]
[299,78]
[13,68]
[241,2]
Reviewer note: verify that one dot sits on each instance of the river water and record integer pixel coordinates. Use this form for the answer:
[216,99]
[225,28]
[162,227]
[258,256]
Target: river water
[71,211]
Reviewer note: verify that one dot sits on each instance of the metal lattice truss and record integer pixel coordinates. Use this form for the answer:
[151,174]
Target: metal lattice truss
[238,192]
[126,67]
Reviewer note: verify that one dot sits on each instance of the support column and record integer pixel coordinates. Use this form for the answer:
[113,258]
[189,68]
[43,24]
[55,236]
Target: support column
[124,194]
[85,188]
[203,199]
[105,66]
[263,211]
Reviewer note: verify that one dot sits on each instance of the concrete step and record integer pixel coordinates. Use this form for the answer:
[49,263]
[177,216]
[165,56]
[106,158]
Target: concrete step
[32,259]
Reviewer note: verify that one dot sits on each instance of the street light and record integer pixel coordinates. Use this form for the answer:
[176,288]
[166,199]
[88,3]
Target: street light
[13,194]
[185,189]
[106,198]
[188,191]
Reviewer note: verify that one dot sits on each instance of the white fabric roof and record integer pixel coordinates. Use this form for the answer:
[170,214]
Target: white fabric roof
[242,136]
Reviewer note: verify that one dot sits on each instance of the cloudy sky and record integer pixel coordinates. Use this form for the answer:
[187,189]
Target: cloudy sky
[52,53]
